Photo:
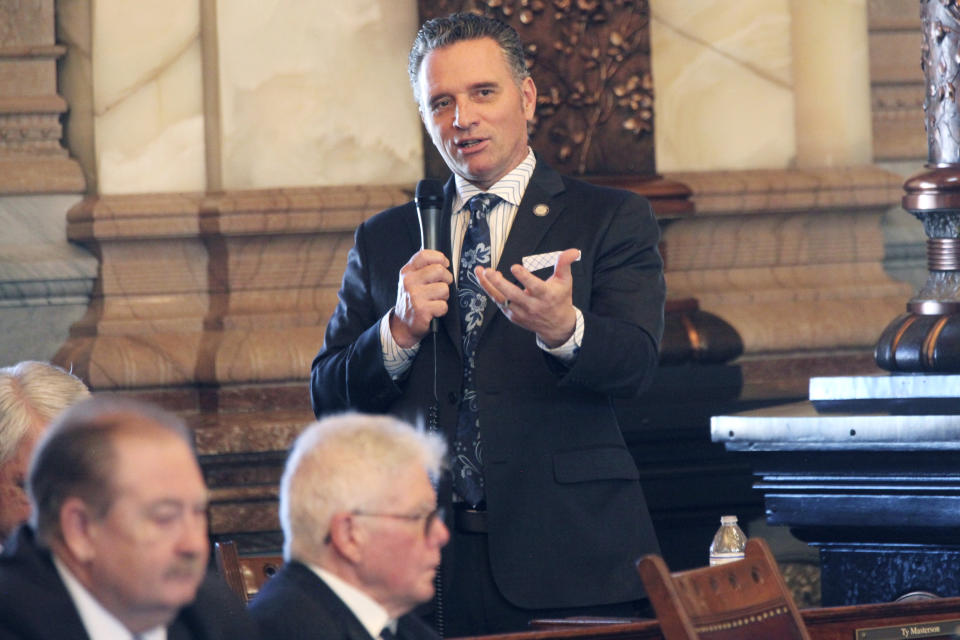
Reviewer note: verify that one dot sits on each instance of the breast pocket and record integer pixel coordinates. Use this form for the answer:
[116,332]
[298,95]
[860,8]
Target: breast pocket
[606,463]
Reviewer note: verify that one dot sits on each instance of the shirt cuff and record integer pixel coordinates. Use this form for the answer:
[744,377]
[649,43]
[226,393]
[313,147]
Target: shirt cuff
[396,359]
[567,352]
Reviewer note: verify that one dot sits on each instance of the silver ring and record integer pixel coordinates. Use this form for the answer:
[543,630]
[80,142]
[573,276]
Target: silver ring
[506,304]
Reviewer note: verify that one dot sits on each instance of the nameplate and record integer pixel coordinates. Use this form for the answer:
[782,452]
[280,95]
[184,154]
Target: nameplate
[939,629]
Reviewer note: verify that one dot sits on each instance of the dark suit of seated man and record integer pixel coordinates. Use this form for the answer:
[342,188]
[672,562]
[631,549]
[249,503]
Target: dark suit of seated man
[116,548]
[362,536]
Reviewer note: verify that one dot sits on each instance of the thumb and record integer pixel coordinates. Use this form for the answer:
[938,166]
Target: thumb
[562,269]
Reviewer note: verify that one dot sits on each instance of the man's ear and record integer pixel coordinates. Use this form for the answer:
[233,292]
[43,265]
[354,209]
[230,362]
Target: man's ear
[345,538]
[528,93]
[76,521]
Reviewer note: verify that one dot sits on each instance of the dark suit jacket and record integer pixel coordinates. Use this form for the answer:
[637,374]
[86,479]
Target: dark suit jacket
[297,604]
[567,516]
[35,604]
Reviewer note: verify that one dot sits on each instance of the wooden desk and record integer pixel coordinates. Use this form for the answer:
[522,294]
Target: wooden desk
[828,623]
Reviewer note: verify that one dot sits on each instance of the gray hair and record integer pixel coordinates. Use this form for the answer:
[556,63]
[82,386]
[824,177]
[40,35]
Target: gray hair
[442,32]
[32,394]
[77,458]
[346,462]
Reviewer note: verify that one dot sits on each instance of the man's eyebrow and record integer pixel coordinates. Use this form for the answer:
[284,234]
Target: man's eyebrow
[489,84]
[162,503]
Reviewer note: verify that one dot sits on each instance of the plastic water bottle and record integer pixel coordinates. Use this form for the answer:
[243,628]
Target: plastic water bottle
[729,543]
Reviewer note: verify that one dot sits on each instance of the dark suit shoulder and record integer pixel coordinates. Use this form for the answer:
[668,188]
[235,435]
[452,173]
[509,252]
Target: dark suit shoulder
[215,614]
[603,195]
[392,220]
[34,604]
[296,604]
[411,627]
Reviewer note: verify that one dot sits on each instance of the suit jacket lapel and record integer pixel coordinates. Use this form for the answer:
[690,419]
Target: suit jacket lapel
[526,233]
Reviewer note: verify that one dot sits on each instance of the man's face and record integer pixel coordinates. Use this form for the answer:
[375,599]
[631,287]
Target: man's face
[474,111]
[14,504]
[150,549]
[399,558]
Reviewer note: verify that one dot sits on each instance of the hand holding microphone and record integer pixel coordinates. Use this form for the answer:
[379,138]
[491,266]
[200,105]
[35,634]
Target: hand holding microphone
[425,280]
[429,201]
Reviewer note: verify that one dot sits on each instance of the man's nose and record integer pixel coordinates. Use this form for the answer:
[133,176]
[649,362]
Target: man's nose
[193,536]
[464,116]
[439,534]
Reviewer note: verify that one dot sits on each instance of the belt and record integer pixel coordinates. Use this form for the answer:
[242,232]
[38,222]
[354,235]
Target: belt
[467,520]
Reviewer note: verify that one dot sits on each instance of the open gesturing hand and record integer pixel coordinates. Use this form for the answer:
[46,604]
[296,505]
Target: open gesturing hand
[542,306]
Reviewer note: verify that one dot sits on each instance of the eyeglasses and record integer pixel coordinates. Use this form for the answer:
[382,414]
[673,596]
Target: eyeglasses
[428,518]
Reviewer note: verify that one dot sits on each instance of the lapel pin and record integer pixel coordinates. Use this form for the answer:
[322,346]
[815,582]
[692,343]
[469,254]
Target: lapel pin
[540,210]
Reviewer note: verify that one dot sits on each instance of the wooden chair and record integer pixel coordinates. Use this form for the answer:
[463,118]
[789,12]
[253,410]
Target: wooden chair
[244,574]
[743,600]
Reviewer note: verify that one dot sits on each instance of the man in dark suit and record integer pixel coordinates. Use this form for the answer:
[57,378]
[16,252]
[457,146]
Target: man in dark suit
[362,536]
[117,544]
[556,306]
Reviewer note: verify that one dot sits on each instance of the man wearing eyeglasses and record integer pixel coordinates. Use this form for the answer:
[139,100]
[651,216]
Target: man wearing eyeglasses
[362,534]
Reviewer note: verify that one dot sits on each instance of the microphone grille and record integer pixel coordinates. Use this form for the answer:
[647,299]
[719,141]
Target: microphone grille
[429,192]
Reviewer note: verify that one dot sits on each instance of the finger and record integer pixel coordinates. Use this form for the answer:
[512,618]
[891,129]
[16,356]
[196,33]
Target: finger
[498,287]
[533,285]
[414,276]
[492,290]
[426,257]
[564,260]
[432,291]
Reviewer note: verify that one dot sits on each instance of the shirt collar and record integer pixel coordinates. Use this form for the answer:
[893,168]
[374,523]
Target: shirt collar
[368,611]
[99,623]
[510,187]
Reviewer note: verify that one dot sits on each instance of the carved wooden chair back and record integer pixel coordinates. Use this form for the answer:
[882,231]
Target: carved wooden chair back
[742,600]
[244,574]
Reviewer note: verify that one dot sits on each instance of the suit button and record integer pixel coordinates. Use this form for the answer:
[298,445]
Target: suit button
[453,397]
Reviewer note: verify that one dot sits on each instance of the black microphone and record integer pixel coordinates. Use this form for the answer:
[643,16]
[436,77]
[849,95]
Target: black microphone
[429,200]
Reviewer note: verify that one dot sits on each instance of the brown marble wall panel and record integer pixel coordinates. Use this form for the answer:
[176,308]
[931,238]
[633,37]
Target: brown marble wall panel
[896,80]
[888,62]
[219,289]
[792,260]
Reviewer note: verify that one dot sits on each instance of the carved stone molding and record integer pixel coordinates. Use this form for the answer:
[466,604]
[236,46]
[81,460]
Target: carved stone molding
[792,260]
[32,159]
[896,80]
[213,289]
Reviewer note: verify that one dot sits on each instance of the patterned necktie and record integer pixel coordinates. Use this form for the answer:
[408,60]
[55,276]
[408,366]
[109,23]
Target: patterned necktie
[467,457]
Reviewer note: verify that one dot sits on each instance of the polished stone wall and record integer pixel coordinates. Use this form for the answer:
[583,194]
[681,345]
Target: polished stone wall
[750,84]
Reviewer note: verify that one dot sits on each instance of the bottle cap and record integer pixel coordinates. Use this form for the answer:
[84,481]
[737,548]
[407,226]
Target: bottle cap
[728,519]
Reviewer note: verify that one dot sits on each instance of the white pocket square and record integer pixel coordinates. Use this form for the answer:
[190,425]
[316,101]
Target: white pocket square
[542,260]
